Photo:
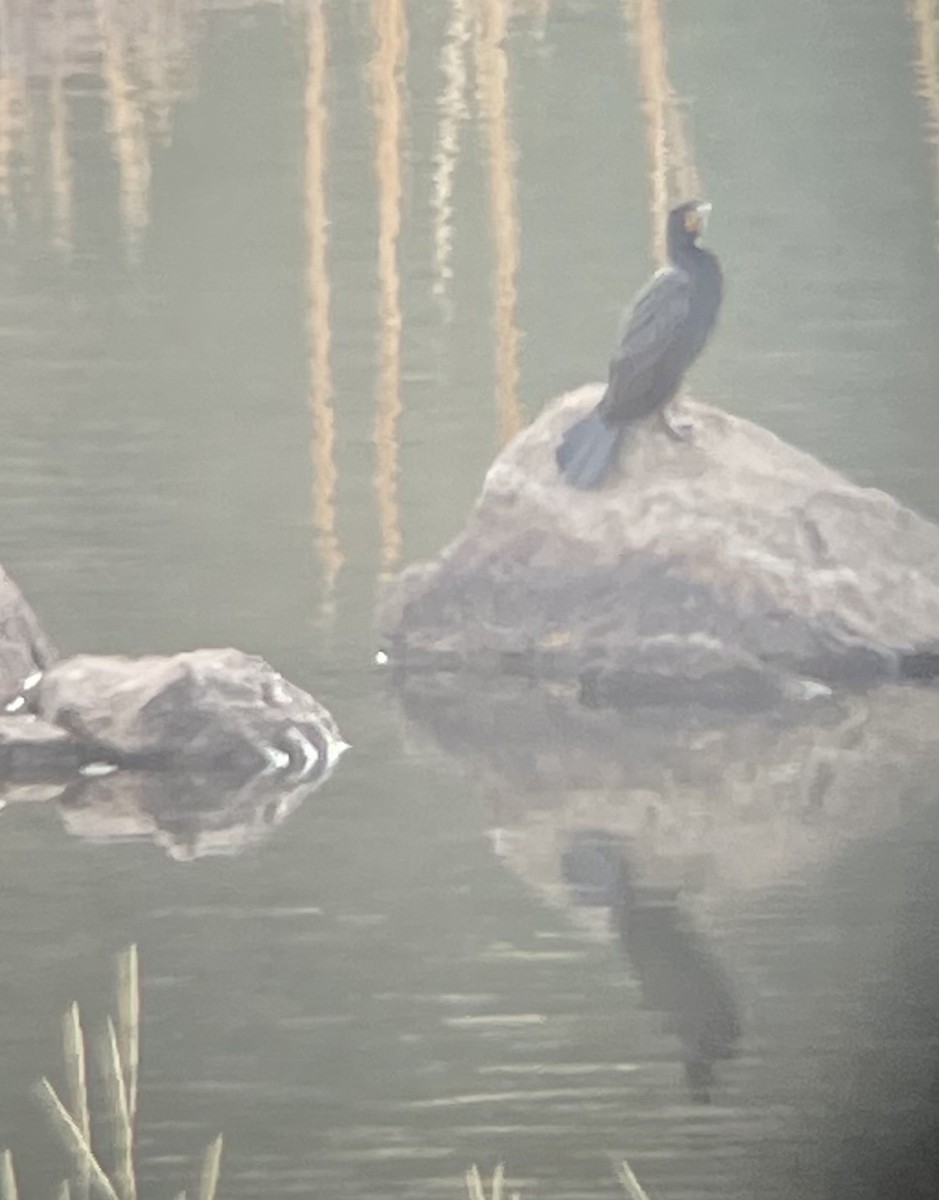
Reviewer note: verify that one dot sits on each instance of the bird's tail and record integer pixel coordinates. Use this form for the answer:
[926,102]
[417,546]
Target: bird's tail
[588,450]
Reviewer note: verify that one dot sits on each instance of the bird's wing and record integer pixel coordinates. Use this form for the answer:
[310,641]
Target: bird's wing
[652,332]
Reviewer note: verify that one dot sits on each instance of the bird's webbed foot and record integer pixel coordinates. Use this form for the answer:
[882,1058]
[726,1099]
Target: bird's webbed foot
[679,429]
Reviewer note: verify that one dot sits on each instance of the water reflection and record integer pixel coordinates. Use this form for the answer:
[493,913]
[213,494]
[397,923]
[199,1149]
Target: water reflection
[125,123]
[323,432]
[669,820]
[387,69]
[60,162]
[925,17]
[540,11]
[187,815]
[734,804]
[492,67]
[672,171]
[678,973]
[12,110]
[128,57]
[453,113]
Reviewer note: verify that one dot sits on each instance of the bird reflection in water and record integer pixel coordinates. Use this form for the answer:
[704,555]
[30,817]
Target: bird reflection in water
[677,973]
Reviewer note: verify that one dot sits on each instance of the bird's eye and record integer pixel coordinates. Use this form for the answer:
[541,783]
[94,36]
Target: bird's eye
[693,222]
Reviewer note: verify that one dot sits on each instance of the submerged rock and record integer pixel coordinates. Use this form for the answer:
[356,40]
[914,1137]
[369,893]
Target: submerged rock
[24,647]
[734,553]
[215,710]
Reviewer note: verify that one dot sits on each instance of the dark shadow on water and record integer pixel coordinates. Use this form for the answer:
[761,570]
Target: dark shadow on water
[677,972]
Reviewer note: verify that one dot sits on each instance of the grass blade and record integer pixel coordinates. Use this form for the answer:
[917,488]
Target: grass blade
[630,1184]
[7,1178]
[121,1127]
[474,1185]
[211,1164]
[76,1084]
[476,1189]
[128,1024]
[74,1139]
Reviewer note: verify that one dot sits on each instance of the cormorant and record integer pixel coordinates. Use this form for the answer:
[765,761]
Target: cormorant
[666,329]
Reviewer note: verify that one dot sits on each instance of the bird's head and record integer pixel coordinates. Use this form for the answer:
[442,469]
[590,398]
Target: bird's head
[686,223]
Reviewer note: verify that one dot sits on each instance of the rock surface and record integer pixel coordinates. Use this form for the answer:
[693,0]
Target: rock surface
[212,710]
[24,647]
[31,748]
[734,541]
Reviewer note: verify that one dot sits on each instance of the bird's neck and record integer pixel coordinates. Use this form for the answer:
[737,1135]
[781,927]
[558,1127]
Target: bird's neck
[684,256]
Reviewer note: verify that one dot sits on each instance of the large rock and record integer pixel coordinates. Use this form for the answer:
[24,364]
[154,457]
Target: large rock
[212,710]
[729,557]
[24,647]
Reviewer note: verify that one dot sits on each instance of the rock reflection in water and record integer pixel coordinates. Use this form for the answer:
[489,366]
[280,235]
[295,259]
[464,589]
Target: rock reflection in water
[734,803]
[702,819]
[189,816]
[676,970]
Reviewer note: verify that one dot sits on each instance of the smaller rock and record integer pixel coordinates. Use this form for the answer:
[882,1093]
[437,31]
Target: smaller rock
[31,748]
[211,710]
[24,647]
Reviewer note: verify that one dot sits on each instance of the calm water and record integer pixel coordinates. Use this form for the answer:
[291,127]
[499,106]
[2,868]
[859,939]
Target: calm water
[275,282]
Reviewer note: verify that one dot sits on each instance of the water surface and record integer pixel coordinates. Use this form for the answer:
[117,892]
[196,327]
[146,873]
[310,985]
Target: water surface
[275,283]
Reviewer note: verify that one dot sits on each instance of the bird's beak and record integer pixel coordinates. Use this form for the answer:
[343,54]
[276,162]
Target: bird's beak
[704,211]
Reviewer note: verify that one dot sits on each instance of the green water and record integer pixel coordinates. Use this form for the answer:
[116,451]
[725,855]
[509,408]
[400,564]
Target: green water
[375,995]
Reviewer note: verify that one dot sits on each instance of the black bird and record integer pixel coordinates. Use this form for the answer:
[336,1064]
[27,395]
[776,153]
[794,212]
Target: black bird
[665,331]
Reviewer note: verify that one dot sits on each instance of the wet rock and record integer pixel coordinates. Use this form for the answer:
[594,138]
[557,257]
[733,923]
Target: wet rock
[212,710]
[736,541]
[33,749]
[24,647]
[677,670]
